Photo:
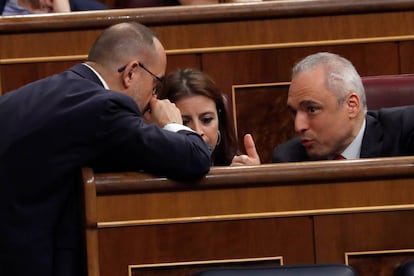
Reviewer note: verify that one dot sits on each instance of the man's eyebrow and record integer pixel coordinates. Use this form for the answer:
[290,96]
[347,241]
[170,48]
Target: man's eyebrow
[306,103]
[302,104]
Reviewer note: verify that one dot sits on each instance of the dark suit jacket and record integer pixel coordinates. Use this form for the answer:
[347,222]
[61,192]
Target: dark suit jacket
[49,130]
[389,132]
[2,4]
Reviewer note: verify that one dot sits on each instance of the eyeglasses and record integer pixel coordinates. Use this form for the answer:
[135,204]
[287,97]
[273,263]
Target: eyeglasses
[158,79]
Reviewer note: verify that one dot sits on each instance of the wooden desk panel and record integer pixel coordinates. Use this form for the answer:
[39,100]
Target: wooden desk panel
[407,50]
[275,200]
[372,243]
[16,75]
[309,212]
[225,243]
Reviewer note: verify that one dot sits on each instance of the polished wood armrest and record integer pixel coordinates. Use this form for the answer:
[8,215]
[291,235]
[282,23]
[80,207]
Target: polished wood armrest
[197,13]
[275,174]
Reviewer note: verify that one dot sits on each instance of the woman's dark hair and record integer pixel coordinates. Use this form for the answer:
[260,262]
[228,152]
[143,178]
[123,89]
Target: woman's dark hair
[187,82]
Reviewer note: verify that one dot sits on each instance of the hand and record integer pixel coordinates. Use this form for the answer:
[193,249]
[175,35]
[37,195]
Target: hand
[252,158]
[60,5]
[46,6]
[162,112]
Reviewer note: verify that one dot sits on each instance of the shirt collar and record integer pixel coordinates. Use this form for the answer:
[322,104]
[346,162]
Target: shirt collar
[105,85]
[353,151]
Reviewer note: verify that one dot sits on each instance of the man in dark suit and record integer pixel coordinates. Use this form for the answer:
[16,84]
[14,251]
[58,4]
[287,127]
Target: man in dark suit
[327,99]
[54,126]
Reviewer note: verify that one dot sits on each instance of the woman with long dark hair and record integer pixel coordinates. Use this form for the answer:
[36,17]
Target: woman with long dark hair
[204,109]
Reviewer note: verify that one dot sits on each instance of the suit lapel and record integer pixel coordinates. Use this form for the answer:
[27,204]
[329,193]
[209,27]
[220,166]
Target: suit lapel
[372,142]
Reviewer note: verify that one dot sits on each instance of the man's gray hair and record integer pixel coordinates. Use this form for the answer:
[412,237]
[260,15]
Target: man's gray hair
[341,77]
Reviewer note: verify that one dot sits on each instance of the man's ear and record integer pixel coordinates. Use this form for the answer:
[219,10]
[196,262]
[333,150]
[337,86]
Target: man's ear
[129,73]
[353,103]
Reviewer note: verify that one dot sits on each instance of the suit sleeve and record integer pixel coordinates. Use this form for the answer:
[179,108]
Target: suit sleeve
[408,128]
[135,145]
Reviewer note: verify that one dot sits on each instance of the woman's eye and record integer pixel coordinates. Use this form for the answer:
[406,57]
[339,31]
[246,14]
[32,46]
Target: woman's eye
[207,120]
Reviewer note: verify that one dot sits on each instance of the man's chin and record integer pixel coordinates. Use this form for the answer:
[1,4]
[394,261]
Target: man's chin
[315,155]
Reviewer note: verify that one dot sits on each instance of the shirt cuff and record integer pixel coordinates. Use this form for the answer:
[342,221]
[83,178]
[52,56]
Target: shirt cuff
[174,127]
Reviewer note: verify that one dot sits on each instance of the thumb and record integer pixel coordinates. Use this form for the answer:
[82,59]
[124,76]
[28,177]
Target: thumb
[152,104]
[250,147]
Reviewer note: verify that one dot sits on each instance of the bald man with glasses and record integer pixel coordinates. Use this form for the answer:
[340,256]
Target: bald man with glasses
[90,115]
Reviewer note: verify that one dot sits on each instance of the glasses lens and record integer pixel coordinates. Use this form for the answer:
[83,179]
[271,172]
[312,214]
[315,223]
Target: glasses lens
[158,86]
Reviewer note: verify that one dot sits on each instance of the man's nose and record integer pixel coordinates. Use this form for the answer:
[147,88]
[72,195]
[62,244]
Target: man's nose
[301,122]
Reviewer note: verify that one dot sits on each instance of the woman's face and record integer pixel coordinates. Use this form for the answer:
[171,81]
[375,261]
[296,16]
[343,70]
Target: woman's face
[200,114]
